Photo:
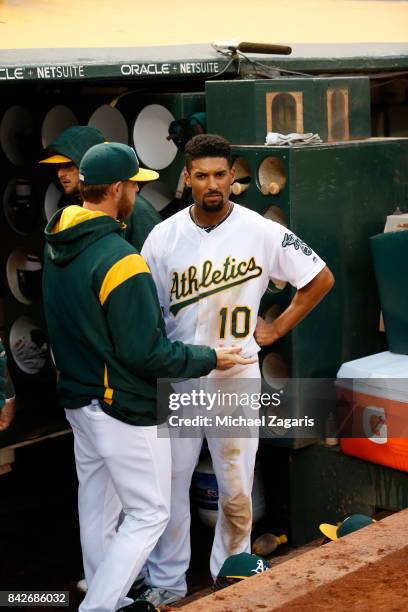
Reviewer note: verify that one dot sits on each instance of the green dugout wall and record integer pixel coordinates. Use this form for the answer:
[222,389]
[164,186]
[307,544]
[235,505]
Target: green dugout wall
[334,197]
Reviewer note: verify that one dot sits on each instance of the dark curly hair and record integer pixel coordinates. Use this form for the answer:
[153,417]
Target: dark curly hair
[207,145]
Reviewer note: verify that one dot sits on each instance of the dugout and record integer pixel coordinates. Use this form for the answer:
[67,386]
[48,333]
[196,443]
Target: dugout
[335,195]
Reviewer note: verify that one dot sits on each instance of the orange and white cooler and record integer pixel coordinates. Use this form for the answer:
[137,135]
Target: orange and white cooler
[376,389]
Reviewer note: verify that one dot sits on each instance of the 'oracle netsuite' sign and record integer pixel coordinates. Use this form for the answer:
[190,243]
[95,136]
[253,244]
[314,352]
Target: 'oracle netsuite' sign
[72,72]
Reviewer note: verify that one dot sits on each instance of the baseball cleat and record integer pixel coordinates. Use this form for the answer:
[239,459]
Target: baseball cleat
[159,597]
[139,605]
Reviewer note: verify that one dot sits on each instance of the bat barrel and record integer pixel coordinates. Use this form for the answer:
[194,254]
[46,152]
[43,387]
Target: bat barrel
[248,47]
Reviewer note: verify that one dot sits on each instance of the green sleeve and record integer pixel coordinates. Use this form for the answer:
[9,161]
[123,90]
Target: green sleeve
[3,365]
[141,222]
[139,337]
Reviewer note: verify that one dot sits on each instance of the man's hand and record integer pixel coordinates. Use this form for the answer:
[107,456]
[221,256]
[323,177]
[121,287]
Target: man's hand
[228,356]
[7,414]
[265,333]
[303,302]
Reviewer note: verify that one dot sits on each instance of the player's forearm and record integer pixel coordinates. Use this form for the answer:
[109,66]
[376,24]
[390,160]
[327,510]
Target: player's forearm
[303,302]
[147,352]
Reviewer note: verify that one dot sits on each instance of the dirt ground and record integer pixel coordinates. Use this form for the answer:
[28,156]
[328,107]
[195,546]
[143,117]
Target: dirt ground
[375,587]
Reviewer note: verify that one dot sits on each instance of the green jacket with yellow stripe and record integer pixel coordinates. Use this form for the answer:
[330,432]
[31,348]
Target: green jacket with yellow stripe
[104,320]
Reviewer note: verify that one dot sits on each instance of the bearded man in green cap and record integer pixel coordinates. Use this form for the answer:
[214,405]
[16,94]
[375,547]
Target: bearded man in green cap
[110,347]
[66,153]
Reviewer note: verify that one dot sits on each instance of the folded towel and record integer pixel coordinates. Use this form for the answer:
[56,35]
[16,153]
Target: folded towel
[273,138]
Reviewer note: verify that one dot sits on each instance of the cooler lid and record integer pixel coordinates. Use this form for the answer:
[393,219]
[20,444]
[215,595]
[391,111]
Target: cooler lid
[383,374]
[380,365]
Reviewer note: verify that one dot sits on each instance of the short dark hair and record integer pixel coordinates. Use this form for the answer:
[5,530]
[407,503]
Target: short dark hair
[207,145]
[94,194]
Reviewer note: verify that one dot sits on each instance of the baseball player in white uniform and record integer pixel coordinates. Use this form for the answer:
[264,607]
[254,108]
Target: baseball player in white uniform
[212,263]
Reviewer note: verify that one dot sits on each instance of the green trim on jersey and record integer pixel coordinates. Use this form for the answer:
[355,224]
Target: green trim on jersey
[193,281]
[175,308]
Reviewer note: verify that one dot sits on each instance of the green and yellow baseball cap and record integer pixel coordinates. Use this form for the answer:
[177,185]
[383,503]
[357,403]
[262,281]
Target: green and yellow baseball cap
[110,162]
[72,144]
[354,522]
[239,567]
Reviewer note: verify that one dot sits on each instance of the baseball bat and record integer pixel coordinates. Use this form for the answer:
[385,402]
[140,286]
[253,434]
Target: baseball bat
[248,47]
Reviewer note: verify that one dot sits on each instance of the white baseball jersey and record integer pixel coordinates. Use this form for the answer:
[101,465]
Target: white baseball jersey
[210,284]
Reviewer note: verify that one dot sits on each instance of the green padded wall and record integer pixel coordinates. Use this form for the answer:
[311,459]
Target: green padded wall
[335,197]
[338,109]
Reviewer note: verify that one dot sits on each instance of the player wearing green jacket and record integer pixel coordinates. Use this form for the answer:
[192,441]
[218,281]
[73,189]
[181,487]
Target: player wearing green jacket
[67,151]
[95,282]
[110,346]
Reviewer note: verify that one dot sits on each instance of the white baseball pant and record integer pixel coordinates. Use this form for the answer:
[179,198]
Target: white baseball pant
[233,462]
[119,467]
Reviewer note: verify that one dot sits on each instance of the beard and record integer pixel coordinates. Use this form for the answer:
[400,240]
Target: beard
[214,207]
[70,189]
[125,206]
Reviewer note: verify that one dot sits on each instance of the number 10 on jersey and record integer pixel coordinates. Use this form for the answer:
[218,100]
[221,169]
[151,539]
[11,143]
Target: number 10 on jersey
[238,319]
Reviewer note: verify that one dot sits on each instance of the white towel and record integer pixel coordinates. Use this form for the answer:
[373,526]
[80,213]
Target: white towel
[275,139]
